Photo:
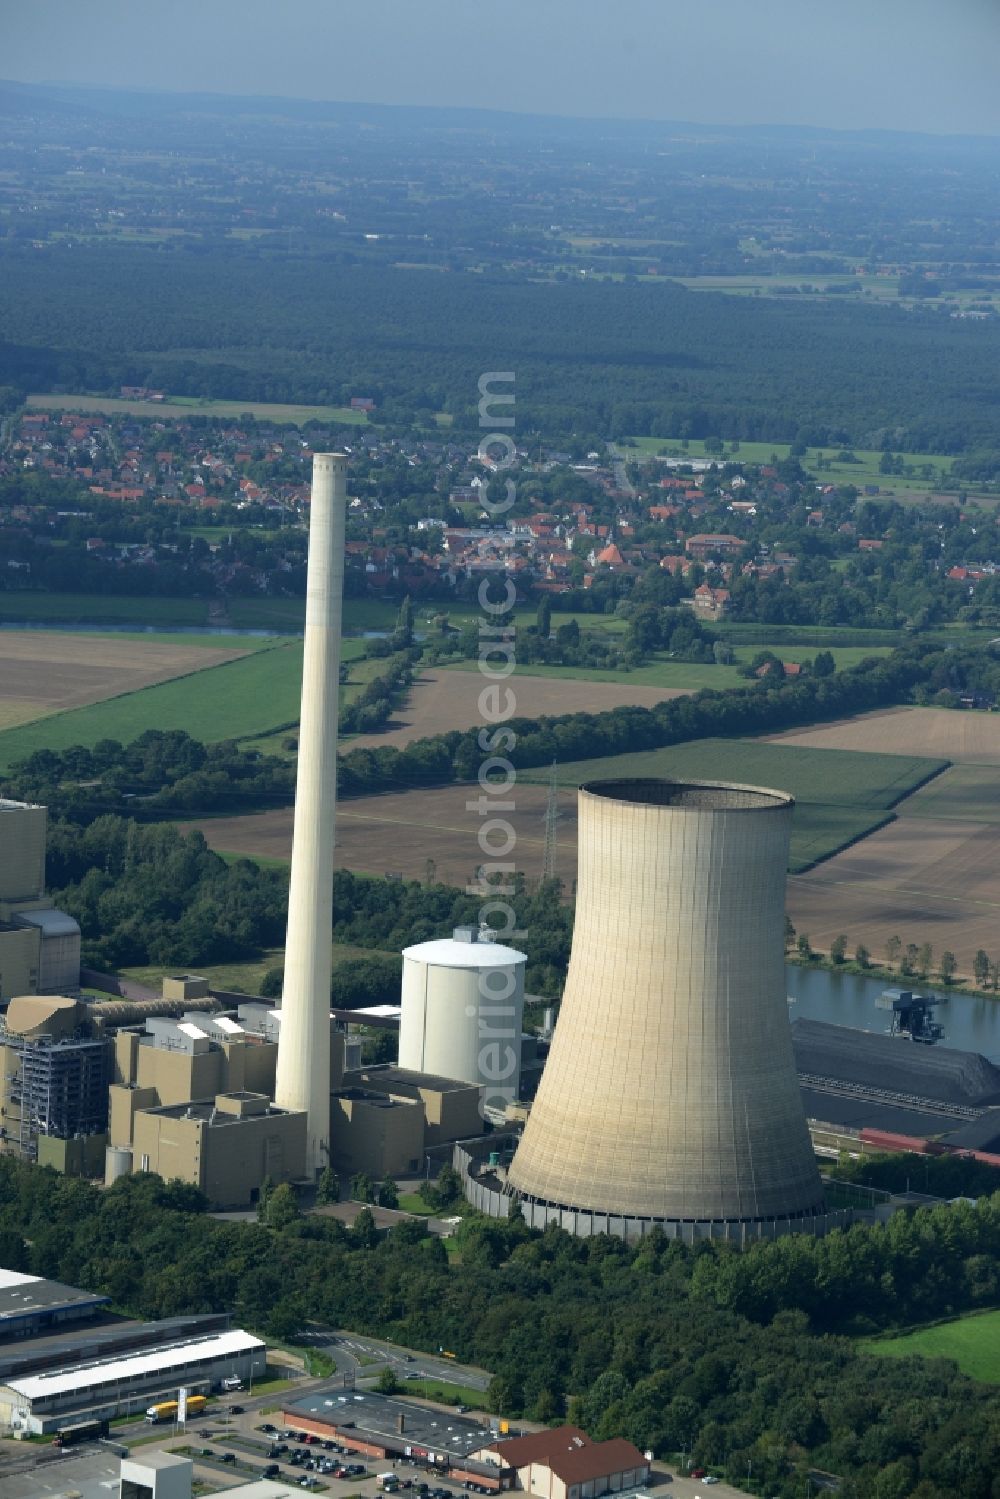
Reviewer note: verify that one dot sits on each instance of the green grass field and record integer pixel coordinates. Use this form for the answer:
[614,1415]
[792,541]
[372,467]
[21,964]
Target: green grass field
[289,614]
[690,676]
[243,977]
[865,471]
[237,700]
[840,795]
[973,1342]
[92,608]
[968,793]
[444,1392]
[179,406]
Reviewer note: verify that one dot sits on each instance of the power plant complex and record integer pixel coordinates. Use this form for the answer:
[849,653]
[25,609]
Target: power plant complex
[671,1096]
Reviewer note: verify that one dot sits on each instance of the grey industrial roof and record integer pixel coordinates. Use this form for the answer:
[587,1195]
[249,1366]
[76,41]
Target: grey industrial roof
[25,1296]
[404,1077]
[978,1134]
[439,1431]
[893,1064]
[859,1112]
[86,1341]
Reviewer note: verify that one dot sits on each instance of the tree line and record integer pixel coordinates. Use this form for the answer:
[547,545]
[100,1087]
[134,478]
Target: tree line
[734,1359]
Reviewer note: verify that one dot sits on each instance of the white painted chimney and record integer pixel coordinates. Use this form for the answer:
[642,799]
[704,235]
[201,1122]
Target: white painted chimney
[303,1075]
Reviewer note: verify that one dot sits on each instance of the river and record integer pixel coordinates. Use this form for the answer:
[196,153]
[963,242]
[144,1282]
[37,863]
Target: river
[970,1022]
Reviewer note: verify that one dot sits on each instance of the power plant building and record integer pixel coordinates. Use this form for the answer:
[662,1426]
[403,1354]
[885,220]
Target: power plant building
[39,945]
[192,1098]
[670,1095]
[54,1078]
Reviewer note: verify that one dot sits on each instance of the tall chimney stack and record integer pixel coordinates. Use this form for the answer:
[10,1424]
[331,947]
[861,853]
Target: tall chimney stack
[303,1075]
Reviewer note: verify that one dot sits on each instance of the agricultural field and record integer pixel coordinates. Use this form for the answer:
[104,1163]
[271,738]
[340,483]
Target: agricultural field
[405,832]
[865,471]
[973,1342]
[46,672]
[840,797]
[93,608]
[180,406]
[942,733]
[241,698]
[409,833]
[964,793]
[676,677]
[921,879]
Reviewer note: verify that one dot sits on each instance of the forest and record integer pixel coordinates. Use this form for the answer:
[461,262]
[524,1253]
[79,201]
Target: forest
[612,357]
[734,1358]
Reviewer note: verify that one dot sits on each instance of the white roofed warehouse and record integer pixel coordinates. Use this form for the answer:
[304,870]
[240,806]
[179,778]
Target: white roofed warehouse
[103,1388]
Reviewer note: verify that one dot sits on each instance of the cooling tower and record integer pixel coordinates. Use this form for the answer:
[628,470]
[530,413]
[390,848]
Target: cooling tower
[670,1093]
[303,1071]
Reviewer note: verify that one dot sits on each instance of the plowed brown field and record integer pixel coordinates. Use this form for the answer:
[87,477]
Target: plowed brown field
[921,879]
[443,700]
[942,733]
[397,833]
[46,671]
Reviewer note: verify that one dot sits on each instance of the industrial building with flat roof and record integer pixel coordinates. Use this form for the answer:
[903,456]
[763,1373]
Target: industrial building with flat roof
[384,1118]
[104,1388]
[31,1306]
[39,945]
[384,1426]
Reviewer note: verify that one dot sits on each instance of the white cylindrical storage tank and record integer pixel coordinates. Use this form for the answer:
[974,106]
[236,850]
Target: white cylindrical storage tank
[117,1163]
[462,1013]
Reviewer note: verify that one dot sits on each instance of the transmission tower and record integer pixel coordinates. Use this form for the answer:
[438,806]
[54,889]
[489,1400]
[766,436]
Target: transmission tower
[551,819]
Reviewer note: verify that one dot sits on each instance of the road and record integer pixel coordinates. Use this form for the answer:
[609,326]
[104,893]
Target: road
[618,461]
[353,1351]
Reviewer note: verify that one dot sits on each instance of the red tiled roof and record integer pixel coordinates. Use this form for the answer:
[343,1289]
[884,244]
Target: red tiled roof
[517,1452]
[596,1460]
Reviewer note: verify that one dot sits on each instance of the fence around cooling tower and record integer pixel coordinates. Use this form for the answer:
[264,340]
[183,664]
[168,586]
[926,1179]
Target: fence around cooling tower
[487,1192]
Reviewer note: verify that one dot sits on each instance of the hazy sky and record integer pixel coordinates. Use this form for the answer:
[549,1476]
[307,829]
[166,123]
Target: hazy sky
[898,64]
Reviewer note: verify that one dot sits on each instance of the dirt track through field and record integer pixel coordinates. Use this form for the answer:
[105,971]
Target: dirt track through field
[941,733]
[43,671]
[443,700]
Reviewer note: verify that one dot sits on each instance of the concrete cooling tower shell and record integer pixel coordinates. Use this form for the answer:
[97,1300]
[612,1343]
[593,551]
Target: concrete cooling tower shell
[670,1093]
[462,1012]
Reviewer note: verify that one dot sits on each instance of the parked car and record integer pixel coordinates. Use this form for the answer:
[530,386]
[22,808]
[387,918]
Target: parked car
[227,1457]
[236,1410]
[271,1471]
[709,1478]
[697,1472]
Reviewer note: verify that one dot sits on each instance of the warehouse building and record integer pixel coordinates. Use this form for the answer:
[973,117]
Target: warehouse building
[382,1426]
[39,945]
[31,1307]
[566,1464]
[104,1388]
